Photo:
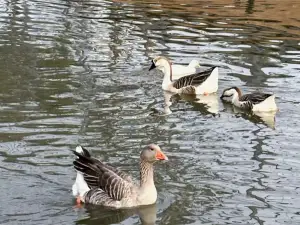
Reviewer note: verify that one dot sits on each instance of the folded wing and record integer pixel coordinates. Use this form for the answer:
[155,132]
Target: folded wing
[193,80]
[255,98]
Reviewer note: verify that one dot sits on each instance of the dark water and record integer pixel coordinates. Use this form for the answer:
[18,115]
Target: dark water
[76,72]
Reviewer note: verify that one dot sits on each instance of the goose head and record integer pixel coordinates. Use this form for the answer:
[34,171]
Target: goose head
[152,154]
[161,63]
[231,93]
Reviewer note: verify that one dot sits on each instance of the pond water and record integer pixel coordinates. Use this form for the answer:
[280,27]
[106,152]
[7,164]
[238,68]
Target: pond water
[76,72]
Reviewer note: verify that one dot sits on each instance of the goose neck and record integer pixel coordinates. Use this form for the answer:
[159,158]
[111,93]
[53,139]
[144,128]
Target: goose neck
[167,70]
[146,173]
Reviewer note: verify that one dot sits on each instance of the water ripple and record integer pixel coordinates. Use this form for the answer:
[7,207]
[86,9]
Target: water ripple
[76,72]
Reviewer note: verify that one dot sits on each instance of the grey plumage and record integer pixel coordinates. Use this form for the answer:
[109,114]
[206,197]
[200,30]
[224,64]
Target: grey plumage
[193,80]
[106,185]
[255,98]
[99,175]
[249,100]
[98,197]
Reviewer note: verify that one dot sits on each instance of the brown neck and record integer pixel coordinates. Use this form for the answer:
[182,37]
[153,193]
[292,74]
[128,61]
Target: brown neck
[146,173]
[171,78]
[239,92]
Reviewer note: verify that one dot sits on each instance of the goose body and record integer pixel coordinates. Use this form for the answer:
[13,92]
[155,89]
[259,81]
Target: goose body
[101,184]
[204,82]
[181,71]
[256,101]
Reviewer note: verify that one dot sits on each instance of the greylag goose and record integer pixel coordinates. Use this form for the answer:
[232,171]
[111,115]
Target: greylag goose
[101,184]
[205,82]
[256,101]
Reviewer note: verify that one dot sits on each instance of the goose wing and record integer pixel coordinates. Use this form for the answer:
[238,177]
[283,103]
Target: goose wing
[255,98]
[96,174]
[193,80]
[120,173]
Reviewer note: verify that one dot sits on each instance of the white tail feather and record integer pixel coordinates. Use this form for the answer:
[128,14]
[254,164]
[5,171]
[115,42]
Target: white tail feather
[211,83]
[80,187]
[194,64]
[79,149]
[267,105]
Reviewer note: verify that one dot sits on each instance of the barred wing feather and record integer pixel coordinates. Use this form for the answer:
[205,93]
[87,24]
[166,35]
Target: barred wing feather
[193,80]
[255,98]
[99,175]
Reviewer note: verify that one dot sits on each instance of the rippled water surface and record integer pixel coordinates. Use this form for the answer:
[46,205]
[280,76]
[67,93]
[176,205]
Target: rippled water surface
[76,72]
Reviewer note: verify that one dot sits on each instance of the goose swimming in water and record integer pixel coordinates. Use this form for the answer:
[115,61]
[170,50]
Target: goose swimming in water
[256,101]
[101,184]
[205,82]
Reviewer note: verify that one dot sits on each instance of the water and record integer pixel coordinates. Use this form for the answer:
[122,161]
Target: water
[76,72]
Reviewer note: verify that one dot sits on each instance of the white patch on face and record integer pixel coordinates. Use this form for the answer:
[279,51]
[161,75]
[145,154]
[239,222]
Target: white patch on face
[229,93]
[159,65]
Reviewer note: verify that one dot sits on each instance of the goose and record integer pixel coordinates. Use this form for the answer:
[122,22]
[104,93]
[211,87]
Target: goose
[101,184]
[205,82]
[256,101]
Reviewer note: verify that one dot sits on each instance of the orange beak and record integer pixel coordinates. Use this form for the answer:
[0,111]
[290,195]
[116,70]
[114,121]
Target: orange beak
[160,155]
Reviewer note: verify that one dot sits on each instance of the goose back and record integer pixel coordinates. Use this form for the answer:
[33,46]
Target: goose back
[193,80]
[258,102]
[255,98]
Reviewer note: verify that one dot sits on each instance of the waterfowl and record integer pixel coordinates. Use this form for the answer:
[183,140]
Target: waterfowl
[179,71]
[256,101]
[101,184]
[204,82]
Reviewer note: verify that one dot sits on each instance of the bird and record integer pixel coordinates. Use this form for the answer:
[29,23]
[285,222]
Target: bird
[102,184]
[204,82]
[256,101]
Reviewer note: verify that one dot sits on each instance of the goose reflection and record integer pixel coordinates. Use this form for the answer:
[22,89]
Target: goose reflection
[99,215]
[206,104]
[267,118]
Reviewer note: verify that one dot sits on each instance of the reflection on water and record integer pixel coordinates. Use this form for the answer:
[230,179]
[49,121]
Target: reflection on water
[76,72]
[100,215]
[267,118]
[206,104]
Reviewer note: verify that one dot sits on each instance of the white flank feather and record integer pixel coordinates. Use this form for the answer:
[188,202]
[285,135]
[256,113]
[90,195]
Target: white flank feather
[266,106]
[210,85]
[80,187]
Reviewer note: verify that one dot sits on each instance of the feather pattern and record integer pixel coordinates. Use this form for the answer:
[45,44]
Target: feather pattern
[102,184]
[255,98]
[193,80]
[248,105]
[249,100]
[97,174]
[99,197]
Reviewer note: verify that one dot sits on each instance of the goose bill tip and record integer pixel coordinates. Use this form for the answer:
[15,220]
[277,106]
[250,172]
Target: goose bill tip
[161,156]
